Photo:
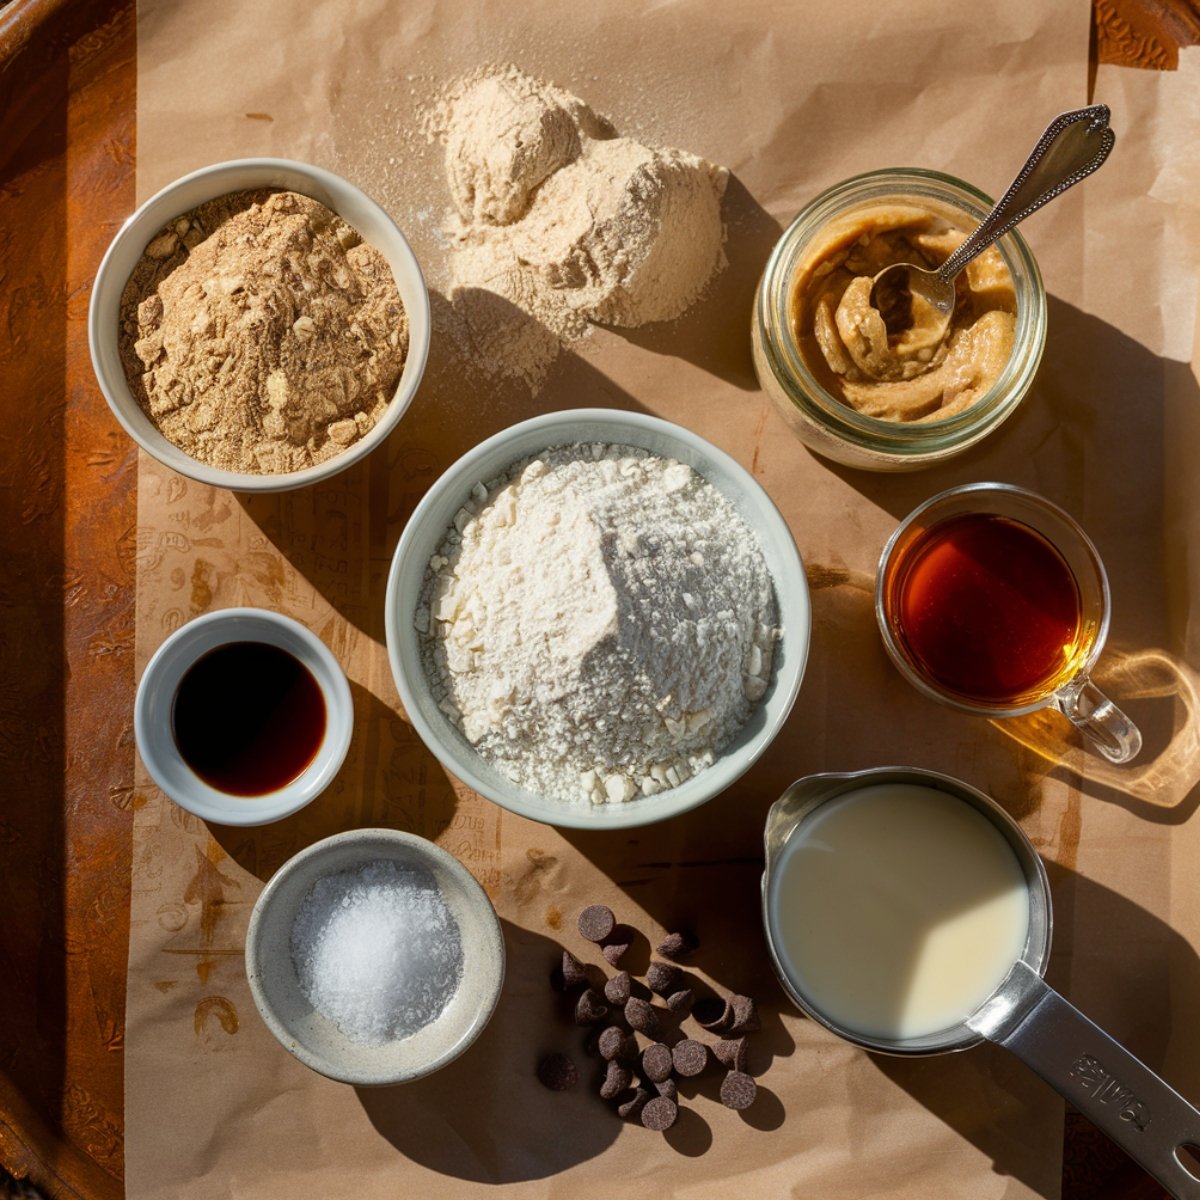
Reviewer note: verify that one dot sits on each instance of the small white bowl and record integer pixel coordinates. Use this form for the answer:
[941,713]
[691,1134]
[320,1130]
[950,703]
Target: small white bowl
[426,531]
[352,205]
[315,1040]
[155,700]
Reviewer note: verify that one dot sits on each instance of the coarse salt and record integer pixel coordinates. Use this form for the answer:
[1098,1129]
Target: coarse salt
[377,951]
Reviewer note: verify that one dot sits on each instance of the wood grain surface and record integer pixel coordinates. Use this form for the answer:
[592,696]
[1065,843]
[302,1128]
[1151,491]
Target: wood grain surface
[67,78]
[68,73]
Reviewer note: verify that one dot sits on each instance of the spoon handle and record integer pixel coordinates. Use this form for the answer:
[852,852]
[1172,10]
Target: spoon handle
[1073,146]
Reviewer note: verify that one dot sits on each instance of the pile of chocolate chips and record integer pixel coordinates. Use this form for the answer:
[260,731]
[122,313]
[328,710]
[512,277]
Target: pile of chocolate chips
[638,1040]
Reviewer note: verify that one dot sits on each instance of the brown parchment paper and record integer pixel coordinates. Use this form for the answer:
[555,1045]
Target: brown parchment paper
[792,99]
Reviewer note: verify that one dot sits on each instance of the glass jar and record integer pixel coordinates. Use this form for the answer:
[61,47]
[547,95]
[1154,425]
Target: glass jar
[825,423]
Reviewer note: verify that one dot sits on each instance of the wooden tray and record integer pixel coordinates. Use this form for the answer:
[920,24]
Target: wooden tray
[68,73]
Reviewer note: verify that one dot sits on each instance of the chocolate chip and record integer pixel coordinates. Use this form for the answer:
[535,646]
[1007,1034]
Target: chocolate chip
[731,1053]
[668,1088]
[690,1057]
[656,1062]
[616,1079]
[557,1072]
[617,989]
[596,922]
[679,1002]
[662,978]
[659,1113]
[590,1007]
[616,943]
[738,1090]
[631,1109]
[713,1013]
[745,1015]
[676,945]
[641,1016]
[574,973]
[613,1043]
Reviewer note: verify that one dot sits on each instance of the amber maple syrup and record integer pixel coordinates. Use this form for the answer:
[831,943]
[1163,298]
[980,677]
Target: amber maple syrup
[986,609]
[248,718]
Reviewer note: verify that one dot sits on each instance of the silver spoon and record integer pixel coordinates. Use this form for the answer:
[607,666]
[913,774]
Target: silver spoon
[1073,146]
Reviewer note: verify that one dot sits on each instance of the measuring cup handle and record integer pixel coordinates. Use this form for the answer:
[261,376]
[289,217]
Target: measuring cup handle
[1119,1094]
[1099,720]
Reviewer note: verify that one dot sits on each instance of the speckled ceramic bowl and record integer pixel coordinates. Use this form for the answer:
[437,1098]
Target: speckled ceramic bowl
[426,530]
[315,1040]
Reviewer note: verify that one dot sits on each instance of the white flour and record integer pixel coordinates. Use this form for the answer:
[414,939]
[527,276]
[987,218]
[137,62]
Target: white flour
[558,222]
[599,623]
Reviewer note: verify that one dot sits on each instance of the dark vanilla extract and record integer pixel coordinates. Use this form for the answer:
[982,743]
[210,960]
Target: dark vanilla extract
[248,718]
[987,610]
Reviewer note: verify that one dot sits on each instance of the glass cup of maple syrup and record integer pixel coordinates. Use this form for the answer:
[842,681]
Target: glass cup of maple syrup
[994,601]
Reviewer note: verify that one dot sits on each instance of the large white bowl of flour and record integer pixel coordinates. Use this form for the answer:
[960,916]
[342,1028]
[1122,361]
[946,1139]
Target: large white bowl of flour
[424,537]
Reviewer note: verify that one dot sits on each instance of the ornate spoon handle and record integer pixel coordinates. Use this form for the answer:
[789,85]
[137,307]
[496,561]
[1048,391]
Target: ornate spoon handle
[1073,146]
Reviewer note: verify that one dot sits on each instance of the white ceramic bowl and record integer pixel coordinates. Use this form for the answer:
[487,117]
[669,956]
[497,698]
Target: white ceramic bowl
[426,531]
[313,1038]
[375,226]
[155,700]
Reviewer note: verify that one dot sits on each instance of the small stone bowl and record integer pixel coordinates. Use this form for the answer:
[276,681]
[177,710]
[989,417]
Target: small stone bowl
[337,194]
[315,1040]
[153,712]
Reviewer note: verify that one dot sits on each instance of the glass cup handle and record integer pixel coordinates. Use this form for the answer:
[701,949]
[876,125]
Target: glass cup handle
[1099,719]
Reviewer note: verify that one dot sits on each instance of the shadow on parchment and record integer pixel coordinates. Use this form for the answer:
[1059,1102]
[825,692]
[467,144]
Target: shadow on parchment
[485,1117]
[715,333]
[389,780]
[1092,436]
[513,1129]
[1161,694]
[1134,1007]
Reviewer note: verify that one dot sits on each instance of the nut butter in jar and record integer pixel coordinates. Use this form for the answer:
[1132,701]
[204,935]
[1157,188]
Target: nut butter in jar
[894,402]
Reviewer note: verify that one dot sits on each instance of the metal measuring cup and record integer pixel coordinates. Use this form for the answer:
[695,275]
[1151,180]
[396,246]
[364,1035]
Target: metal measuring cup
[1113,1089]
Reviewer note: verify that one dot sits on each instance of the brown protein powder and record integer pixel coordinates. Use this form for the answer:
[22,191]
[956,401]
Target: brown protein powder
[261,334]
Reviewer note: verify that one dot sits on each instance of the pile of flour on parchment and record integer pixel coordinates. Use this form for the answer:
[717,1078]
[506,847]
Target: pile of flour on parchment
[599,623]
[558,223]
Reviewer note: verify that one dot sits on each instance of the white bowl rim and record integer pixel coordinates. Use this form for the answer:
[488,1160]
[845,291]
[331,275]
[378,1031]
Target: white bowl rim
[116,389]
[471,887]
[209,803]
[648,809]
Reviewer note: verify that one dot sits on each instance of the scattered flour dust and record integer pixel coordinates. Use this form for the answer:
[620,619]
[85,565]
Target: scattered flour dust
[598,623]
[558,222]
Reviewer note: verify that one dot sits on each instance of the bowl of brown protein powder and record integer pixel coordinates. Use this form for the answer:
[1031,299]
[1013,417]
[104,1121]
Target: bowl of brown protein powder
[259,325]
